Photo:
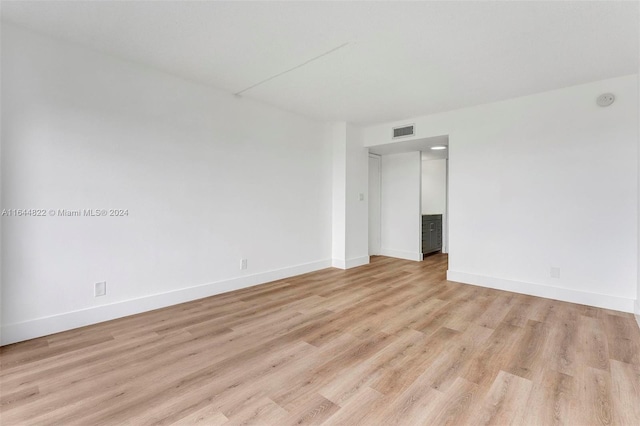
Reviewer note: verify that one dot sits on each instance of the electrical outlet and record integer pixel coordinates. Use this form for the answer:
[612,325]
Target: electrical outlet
[243,263]
[554,272]
[100,289]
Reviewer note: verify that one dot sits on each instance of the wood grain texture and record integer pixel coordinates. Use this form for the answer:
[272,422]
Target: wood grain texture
[392,342]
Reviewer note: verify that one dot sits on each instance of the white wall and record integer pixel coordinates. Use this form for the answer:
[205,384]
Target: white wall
[542,181]
[375,204]
[400,206]
[1,205]
[357,247]
[207,179]
[349,210]
[434,186]
[434,192]
[337,138]
[637,307]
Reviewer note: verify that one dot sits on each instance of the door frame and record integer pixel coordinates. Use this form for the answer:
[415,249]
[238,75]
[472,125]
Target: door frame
[377,158]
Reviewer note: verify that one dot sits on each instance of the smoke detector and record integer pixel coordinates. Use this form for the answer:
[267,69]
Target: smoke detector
[605,99]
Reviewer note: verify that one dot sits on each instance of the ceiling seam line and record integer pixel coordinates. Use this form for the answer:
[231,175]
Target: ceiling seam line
[291,69]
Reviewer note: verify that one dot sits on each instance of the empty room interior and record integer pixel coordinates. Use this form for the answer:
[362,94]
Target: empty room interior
[337,213]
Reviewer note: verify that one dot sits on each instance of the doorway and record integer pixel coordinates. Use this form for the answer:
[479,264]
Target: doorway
[434,201]
[395,196]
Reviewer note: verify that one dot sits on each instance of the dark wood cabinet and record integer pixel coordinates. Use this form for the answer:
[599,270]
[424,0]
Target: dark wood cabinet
[431,233]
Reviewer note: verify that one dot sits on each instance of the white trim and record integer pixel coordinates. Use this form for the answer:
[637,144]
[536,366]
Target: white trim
[350,263]
[445,230]
[542,290]
[419,219]
[401,254]
[38,327]
[357,261]
[338,263]
[638,312]
[378,158]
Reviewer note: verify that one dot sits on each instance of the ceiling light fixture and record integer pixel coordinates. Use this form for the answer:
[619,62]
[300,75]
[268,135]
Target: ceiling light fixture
[439,147]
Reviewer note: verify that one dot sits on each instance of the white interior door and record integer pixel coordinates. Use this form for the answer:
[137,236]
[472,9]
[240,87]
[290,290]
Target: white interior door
[374,205]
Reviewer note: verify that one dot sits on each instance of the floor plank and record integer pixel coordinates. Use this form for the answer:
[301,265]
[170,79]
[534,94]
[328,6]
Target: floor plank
[391,342]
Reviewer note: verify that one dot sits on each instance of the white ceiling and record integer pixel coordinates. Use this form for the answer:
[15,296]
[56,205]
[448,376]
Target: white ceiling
[402,58]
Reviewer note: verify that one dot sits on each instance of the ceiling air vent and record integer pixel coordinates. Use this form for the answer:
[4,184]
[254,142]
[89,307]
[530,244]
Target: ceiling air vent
[404,131]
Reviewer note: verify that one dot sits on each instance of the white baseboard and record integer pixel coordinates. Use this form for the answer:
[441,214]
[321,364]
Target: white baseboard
[357,261]
[638,311]
[558,293]
[18,332]
[338,263]
[350,263]
[400,254]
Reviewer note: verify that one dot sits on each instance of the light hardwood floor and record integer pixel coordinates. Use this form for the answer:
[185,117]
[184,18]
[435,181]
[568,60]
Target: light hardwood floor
[392,342]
